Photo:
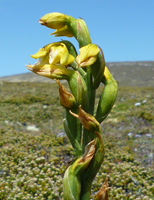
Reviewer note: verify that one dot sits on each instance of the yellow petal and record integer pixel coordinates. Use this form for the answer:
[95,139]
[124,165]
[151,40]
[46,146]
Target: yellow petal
[62,32]
[43,60]
[88,62]
[39,54]
[59,54]
[42,52]
[87,51]
[54,55]
[88,55]
[64,54]
[70,59]
[107,74]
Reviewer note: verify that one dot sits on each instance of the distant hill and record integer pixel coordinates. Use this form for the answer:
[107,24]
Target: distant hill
[126,73]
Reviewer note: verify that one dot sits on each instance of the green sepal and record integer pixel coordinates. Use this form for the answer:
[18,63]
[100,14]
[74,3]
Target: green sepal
[71,185]
[70,47]
[95,163]
[79,30]
[83,36]
[98,69]
[92,169]
[79,89]
[72,177]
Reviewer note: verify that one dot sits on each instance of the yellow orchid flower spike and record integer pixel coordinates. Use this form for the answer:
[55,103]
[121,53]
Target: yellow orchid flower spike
[83,73]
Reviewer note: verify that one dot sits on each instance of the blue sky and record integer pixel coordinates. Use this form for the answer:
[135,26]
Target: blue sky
[124,29]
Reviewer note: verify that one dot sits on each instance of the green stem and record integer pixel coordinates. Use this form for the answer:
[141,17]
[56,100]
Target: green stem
[87,135]
[74,65]
[91,90]
[81,33]
[85,190]
[74,125]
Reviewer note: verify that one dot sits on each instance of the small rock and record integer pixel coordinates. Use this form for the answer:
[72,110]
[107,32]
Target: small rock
[130,134]
[6,122]
[150,155]
[148,135]
[2,173]
[45,106]
[32,128]
[135,149]
[19,124]
[138,136]
[144,101]
[62,134]
[137,104]
[122,99]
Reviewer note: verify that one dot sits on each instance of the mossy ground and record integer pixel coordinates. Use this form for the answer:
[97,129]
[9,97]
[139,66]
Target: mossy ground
[32,163]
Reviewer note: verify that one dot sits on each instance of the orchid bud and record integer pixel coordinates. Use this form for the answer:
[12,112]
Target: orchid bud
[83,36]
[108,96]
[79,89]
[98,69]
[79,30]
[66,25]
[53,20]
